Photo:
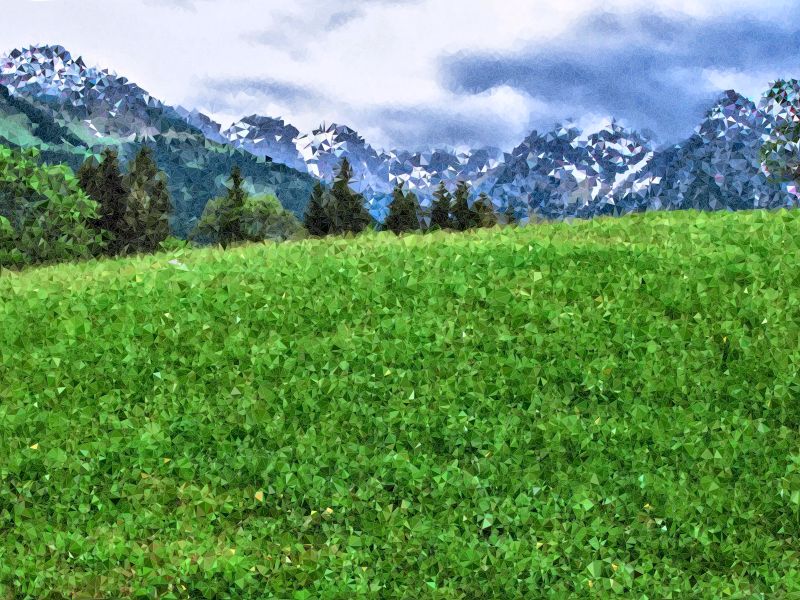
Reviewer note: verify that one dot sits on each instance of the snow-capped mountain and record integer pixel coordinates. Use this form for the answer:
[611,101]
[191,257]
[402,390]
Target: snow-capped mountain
[546,175]
[267,136]
[106,104]
[563,172]
[718,167]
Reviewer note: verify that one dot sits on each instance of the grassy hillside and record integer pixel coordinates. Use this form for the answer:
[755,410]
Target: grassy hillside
[607,409]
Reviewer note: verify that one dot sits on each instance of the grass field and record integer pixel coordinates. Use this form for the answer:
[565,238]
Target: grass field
[607,409]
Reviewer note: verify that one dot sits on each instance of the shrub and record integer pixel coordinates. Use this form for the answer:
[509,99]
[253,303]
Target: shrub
[263,217]
[222,217]
[47,216]
[173,243]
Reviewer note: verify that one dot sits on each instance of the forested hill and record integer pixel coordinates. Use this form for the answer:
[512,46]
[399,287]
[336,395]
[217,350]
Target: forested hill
[197,168]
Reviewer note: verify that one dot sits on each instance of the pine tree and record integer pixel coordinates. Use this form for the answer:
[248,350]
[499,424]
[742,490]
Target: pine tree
[222,217]
[440,210]
[148,206]
[230,223]
[316,218]
[509,216]
[340,210]
[402,211]
[347,212]
[484,210]
[159,210]
[464,217]
[159,206]
[135,207]
[104,184]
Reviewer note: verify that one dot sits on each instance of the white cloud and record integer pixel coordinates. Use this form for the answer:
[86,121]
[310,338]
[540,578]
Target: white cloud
[381,54]
[750,85]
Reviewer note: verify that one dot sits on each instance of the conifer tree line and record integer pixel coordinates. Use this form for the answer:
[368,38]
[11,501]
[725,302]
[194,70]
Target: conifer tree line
[341,209]
[133,209]
[50,214]
[101,211]
[337,210]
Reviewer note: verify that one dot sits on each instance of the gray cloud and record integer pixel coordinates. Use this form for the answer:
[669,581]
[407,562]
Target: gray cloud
[184,5]
[407,128]
[288,35]
[215,90]
[290,31]
[646,67]
[339,19]
[415,128]
[652,67]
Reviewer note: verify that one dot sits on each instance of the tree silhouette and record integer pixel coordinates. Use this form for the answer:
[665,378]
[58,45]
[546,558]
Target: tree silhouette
[347,212]
[148,207]
[222,217]
[317,211]
[402,211]
[509,216]
[104,184]
[231,221]
[440,209]
[463,216]
[484,210]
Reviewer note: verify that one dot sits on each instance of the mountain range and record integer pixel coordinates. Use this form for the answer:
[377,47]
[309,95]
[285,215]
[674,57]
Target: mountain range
[69,112]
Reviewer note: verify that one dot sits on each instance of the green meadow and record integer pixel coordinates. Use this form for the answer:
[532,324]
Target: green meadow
[596,409]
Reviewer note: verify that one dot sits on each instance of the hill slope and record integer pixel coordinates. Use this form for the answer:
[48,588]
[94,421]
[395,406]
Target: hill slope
[598,411]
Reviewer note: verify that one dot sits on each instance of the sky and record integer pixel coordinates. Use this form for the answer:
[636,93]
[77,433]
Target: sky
[409,74]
